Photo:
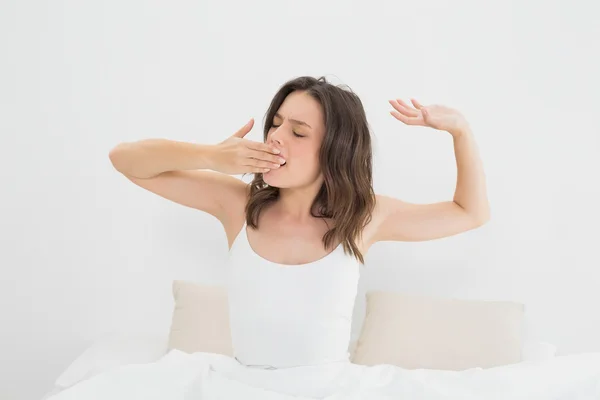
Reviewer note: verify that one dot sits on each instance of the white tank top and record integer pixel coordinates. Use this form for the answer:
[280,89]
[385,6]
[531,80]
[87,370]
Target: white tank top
[290,315]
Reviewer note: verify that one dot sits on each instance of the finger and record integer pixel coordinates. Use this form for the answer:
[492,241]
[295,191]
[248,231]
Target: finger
[245,129]
[405,119]
[417,105]
[405,105]
[403,108]
[252,162]
[263,147]
[261,155]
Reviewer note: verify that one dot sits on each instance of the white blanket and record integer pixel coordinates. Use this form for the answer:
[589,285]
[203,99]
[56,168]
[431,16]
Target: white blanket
[205,376]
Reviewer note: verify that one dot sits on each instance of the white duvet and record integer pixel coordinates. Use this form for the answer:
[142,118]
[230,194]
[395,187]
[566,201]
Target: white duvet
[200,376]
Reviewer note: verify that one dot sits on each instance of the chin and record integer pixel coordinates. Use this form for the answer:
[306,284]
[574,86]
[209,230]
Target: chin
[275,181]
[274,178]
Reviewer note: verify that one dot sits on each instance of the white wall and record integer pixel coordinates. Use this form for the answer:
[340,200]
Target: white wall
[84,252]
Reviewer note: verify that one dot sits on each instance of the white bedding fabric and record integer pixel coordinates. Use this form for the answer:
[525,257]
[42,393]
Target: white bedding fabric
[199,376]
[120,349]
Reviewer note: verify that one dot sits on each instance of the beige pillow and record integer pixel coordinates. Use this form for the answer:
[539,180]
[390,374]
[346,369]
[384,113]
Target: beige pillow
[413,332]
[200,320]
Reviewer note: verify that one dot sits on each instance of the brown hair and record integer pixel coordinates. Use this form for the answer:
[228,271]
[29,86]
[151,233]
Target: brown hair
[345,158]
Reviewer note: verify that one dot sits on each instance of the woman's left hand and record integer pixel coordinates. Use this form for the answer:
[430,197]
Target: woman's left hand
[434,116]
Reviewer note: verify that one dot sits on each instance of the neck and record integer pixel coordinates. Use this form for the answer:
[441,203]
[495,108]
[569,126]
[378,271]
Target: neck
[296,204]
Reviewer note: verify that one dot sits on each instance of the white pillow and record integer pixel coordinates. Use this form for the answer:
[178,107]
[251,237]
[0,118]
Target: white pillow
[111,352]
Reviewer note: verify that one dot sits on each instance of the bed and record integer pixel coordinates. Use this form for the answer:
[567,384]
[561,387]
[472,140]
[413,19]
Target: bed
[431,339]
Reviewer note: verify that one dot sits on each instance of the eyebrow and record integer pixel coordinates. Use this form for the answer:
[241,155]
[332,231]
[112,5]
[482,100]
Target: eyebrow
[294,121]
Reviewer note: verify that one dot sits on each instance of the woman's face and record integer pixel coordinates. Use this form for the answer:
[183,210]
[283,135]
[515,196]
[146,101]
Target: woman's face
[297,130]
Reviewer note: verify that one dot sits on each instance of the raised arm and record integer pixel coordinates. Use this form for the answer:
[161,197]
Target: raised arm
[179,171]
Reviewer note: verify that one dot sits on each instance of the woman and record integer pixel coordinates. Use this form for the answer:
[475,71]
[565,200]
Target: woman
[312,187]
[297,235]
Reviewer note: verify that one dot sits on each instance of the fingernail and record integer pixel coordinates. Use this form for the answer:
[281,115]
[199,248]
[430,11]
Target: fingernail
[281,160]
[276,151]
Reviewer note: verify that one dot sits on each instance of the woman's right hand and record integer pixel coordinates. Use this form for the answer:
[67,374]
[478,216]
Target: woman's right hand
[237,155]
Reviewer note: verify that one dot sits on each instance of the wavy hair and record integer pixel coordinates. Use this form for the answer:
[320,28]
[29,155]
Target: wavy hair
[345,158]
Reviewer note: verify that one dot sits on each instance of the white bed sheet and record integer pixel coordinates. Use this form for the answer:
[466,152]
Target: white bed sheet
[182,376]
[119,349]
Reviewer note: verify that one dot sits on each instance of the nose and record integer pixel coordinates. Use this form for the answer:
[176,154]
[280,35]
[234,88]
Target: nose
[276,136]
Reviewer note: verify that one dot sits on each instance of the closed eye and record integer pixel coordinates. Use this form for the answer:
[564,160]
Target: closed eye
[295,134]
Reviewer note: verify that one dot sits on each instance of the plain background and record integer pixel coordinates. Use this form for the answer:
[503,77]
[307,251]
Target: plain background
[84,252]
